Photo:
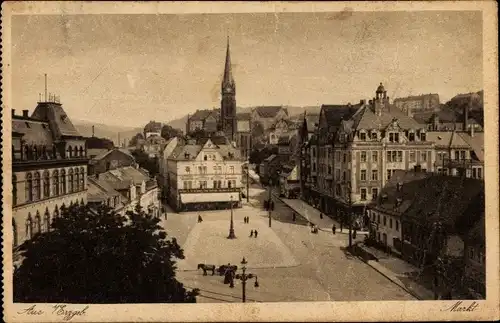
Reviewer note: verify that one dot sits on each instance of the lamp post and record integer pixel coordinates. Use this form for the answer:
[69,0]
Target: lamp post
[244,277]
[269,201]
[248,180]
[231,225]
[349,210]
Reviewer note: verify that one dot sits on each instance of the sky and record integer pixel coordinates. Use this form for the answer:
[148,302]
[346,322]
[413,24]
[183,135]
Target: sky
[130,69]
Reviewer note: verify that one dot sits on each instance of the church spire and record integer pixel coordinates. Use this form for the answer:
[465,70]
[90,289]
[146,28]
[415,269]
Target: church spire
[228,75]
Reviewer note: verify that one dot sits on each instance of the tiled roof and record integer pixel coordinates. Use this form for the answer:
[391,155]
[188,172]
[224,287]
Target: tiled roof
[369,120]
[180,152]
[446,139]
[59,121]
[34,132]
[106,153]
[476,142]
[410,185]
[129,174]
[99,190]
[269,111]
[243,116]
[201,115]
[445,199]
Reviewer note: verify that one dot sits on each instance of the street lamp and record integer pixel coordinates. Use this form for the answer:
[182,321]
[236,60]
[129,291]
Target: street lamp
[244,277]
[231,225]
[269,201]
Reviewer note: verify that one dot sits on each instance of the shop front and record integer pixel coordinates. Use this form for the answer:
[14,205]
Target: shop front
[209,201]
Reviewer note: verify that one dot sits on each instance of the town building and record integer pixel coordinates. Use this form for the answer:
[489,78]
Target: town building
[419,103]
[289,184]
[244,134]
[153,145]
[475,260]
[100,193]
[387,209]
[447,119]
[49,168]
[135,186]
[359,148]
[204,174]
[110,159]
[306,133]
[153,128]
[163,164]
[206,120]
[268,115]
[283,127]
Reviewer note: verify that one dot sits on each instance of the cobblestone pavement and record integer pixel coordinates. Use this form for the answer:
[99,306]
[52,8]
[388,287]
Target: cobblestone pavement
[325,272]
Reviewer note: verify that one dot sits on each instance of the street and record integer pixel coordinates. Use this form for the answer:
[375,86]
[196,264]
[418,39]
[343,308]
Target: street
[291,263]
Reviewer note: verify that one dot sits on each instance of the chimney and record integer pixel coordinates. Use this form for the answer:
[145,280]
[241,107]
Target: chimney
[92,131]
[25,113]
[466,115]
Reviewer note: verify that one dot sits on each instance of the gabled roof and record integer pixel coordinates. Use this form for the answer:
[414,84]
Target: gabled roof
[99,190]
[392,201]
[370,120]
[59,122]
[201,115]
[311,120]
[34,132]
[102,155]
[476,142]
[129,174]
[244,116]
[185,152]
[334,114]
[446,139]
[269,111]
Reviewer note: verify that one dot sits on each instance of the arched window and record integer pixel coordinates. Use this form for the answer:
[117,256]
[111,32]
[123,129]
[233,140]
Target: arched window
[46,220]
[56,212]
[62,181]
[38,222]
[26,154]
[70,151]
[75,154]
[29,227]
[70,181]
[14,232]
[29,187]
[46,184]
[81,151]
[14,189]
[54,151]
[77,180]
[36,186]
[55,183]
[82,178]
[44,153]
[35,153]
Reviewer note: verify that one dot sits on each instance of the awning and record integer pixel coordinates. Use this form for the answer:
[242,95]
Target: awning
[210,197]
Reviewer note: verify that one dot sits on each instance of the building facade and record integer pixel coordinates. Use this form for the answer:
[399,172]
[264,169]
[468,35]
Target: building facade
[111,159]
[204,175]
[419,103]
[268,115]
[206,120]
[49,168]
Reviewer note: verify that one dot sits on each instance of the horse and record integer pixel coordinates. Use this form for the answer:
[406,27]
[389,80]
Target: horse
[222,269]
[207,267]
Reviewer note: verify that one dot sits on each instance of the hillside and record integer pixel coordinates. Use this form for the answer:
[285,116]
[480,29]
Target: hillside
[106,131]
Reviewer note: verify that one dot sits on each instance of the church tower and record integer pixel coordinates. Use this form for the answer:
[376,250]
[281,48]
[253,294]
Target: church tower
[228,101]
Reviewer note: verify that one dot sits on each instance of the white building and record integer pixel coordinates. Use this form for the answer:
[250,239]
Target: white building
[203,175]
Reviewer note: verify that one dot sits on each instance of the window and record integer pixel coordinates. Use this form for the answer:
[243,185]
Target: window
[29,227]
[363,194]
[390,223]
[462,154]
[411,136]
[363,156]
[62,182]
[77,180]
[374,193]
[378,218]
[55,183]
[231,169]
[205,157]
[389,173]
[400,156]
[343,175]
[46,184]
[220,169]
[14,189]
[38,222]
[363,175]
[424,156]
[188,169]
[474,172]
[204,169]
[329,170]
[362,136]
[337,174]
[229,184]
[46,220]
[412,156]
[337,156]
[70,181]
[479,173]
[374,175]
[36,186]
[374,135]
[200,170]
[394,137]
[374,156]
[314,152]
[397,225]
[422,136]
[344,157]
[385,220]
[82,178]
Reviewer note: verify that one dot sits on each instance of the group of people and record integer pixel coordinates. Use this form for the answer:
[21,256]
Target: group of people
[254,233]
[246,219]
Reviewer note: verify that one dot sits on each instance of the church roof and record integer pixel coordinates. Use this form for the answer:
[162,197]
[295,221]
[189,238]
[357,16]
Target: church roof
[269,111]
[228,74]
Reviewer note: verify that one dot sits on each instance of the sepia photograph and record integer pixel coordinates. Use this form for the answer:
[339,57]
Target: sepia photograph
[251,154]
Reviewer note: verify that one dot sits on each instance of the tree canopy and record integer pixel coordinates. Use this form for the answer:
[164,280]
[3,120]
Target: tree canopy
[98,256]
[257,129]
[146,162]
[135,139]
[198,134]
[168,132]
[99,143]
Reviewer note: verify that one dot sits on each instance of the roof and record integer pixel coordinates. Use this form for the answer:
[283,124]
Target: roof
[311,121]
[476,142]
[129,174]
[103,154]
[34,132]
[389,196]
[446,199]
[222,146]
[59,122]
[201,115]
[99,190]
[446,139]
[185,152]
[370,120]
[269,111]
[334,114]
[244,116]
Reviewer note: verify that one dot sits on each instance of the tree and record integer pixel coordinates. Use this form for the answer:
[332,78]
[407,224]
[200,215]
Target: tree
[168,132]
[135,139]
[99,143]
[198,134]
[257,129]
[99,256]
[146,162]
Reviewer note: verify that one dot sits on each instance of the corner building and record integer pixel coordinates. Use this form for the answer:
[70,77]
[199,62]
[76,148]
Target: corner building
[49,168]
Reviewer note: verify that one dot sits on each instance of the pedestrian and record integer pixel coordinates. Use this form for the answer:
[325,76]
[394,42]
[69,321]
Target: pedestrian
[321,215]
[251,234]
[294,216]
[341,226]
[354,234]
[165,215]
[256,233]
[334,229]
[248,219]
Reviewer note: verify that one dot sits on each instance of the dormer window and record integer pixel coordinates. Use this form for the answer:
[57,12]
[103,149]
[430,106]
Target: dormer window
[393,137]
[422,136]
[374,135]
[411,136]
[362,136]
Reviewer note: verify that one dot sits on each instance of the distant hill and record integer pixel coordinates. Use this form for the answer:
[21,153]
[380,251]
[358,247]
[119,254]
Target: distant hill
[179,123]
[106,131]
